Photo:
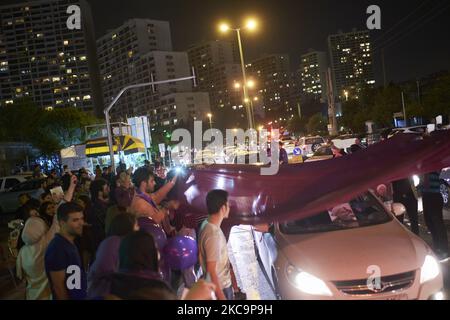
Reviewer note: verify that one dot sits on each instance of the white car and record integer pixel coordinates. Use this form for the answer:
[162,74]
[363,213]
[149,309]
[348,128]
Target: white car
[6,183]
[288,145]
[410,130]
[355,251]
[309,145]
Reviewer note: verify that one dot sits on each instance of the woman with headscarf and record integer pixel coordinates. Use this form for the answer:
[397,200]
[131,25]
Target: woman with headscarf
[30,261]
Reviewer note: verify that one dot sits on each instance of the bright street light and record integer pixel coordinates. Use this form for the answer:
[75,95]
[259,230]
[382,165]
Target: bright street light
[237,85]
[251,24]
[224,27]
[255,98]
[209,115]
[250,84]
[346,95]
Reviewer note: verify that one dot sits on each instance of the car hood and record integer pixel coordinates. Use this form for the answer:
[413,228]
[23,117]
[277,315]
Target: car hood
[347,254]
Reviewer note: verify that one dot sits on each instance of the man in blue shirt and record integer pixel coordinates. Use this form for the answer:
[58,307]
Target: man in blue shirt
[63,265]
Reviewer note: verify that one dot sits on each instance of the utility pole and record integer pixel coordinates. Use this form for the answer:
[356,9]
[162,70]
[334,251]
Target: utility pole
[384,68]
[418,92]
[404,109]
[332,122]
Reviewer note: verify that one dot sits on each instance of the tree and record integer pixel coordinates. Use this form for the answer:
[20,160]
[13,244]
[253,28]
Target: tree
[297,125]
[49,131]
[354,115]
[317,124]
[67,125]
[436,99]
[387,102]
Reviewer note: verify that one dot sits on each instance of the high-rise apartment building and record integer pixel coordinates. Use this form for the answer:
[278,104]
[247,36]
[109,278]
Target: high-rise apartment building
[273,83]
[44,60]
[313,69]
[351,62]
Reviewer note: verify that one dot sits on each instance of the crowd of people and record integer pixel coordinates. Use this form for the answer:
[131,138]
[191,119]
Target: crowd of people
[103,237]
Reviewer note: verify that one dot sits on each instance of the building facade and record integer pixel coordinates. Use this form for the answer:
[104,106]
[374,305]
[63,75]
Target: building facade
[181,109]
[217,70]
[42,59]
[120,51]
[273,85]
[313,69]
[140,51]
[351,62]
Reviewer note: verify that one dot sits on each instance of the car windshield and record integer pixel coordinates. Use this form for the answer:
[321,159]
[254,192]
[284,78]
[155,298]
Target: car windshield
[363,211]
[27,186]
[313,140]
[324,151]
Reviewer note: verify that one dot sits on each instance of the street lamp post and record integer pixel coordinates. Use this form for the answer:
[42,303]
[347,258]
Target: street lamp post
[244,77]
[109,107]
[251,24]
[210,123]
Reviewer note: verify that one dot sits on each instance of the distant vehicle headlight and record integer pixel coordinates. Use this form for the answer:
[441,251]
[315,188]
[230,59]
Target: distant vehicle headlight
[416,180]
[430,269]
[307,283]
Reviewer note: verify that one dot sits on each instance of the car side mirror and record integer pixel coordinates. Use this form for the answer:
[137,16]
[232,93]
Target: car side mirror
[398,209]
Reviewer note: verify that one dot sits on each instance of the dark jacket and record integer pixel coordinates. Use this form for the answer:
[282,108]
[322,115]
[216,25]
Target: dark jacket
[140,286]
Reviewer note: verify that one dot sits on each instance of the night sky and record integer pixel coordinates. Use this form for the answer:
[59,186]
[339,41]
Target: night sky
[292,27]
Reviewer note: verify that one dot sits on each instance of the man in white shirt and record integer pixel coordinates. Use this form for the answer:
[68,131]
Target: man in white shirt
[213,248]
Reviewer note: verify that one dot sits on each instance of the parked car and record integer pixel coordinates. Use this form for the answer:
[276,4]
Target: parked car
[410,130]
[445,186]
[7,183]
[9,200]
[346,141]
[357,250]
[309,145]
[323,153]
[288,145]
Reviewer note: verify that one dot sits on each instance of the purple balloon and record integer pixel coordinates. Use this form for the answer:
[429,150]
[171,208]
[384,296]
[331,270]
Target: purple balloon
[157,232]
[180,252]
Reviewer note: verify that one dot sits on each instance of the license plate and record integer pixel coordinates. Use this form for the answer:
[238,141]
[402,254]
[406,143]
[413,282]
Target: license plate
[397,297]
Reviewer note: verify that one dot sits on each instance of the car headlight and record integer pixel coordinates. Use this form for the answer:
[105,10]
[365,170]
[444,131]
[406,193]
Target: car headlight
[307,283]
[430,269]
